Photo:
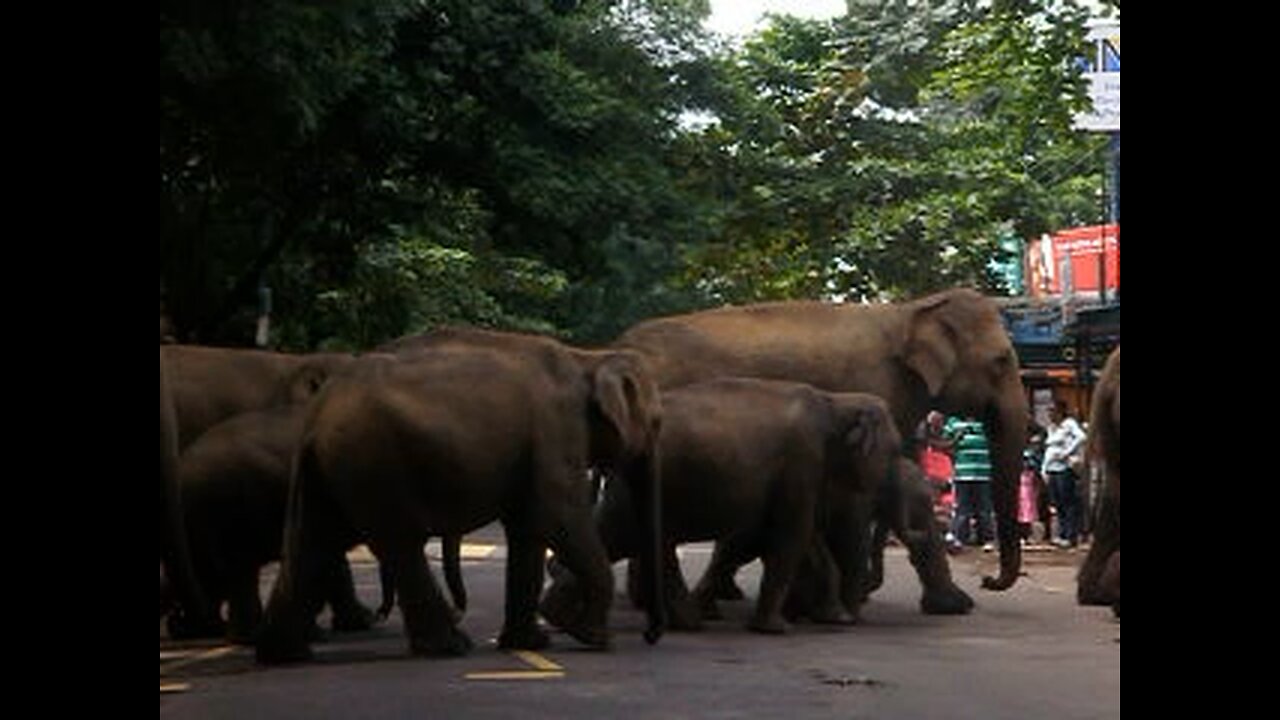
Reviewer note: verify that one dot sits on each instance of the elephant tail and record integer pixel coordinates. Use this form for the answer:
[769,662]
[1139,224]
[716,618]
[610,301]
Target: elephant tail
[451,554]
[282,637]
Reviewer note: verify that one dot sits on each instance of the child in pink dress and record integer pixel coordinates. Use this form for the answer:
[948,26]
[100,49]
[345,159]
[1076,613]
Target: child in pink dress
[1027,489]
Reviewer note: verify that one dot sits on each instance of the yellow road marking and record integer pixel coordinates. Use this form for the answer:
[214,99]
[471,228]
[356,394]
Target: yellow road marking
[174,687]
[516,675]
[544,669]
[476,552]
[201,657]
[537,661]
[466,551]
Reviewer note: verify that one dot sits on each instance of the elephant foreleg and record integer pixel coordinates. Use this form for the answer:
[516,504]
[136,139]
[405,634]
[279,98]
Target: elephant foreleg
[526,555]
[577,544]
[941,596]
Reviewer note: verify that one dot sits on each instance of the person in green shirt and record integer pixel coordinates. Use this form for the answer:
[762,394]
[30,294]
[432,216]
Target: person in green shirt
[972,483]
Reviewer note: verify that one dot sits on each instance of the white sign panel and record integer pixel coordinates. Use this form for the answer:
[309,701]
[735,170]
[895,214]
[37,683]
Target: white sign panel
[1104,89]
[1103,75]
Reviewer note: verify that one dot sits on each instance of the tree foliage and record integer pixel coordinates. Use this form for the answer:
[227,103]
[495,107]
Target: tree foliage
[570,166]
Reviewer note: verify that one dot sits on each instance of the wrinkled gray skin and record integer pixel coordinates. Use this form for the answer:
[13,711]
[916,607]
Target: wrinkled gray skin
[948,352]
[753,464]
[1098,584]
[477,427]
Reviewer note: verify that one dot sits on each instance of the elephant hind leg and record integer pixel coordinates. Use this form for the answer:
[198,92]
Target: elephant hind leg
[349,614]
[730,554]
[427,617]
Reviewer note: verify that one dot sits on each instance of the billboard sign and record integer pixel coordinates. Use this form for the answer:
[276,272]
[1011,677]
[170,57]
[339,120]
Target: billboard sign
[1067,261]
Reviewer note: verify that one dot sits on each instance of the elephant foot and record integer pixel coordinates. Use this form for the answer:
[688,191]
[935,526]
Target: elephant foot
[189,627]
[560,606]
[946,601]
[1115,610]
[448,642]
[768,626]
[526,638]
[833,614]
[356,619]
[593,637]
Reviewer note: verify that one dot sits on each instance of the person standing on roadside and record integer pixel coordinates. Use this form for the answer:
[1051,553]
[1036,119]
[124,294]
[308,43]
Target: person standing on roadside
[1063,442]
[972,483]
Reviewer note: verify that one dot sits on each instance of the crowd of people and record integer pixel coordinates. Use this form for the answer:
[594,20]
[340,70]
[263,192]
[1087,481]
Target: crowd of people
[1053,491]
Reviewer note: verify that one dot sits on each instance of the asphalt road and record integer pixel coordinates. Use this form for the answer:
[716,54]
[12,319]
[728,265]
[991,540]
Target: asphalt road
[1029,652]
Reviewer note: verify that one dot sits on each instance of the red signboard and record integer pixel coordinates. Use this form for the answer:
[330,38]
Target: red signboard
[1050,272]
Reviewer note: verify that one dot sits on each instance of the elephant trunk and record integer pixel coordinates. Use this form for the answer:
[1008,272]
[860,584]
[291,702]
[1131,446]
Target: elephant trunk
[1006,438]
[646,488]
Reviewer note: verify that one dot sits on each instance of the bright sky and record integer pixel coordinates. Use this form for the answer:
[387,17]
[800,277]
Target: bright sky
[739,17]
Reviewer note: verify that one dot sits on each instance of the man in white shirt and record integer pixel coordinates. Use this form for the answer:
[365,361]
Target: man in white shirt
[1064,440]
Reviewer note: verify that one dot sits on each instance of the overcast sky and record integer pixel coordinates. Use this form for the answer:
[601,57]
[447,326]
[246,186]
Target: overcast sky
[739,17]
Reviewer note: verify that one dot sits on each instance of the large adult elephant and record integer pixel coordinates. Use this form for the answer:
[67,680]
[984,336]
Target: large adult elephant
[1099,579]
[211,384]
[478,427]
[947,351]
[755,465]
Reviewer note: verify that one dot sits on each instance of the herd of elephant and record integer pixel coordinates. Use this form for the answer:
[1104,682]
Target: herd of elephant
[775,430]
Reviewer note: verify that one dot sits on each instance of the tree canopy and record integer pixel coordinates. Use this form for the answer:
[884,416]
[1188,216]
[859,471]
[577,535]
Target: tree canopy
[571,167]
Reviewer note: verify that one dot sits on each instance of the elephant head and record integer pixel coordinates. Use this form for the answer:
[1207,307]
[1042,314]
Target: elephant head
[955,344]
[626,417]
[869,438]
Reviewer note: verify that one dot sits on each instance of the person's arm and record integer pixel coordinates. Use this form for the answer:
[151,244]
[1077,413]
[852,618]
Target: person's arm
[1077,437]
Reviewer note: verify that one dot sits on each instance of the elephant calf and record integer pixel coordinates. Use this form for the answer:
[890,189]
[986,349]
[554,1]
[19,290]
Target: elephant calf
[235,482]
[751,464]
[903,505]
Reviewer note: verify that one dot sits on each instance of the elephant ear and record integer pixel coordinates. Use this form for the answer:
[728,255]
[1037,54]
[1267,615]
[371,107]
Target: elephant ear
[618,393]
[871,430]
[930,345]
